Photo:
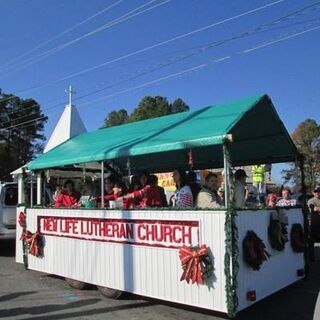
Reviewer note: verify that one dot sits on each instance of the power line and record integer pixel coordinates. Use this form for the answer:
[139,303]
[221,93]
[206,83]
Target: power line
[202,49]
[153,68]
[204,65]
[62,33]
[198,50]
[114,22]
[188,70]
[312,20]
[32,60]
[170,40]
[184,35]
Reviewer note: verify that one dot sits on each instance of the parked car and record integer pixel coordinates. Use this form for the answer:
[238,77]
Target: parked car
[8,204]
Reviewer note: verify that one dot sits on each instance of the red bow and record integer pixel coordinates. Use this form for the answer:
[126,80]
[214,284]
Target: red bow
[191,263]
[190,159]
[22,219]
[33,242]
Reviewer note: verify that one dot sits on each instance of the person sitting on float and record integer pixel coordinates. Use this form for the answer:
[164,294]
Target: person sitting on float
[154,180]
[148,196]
[134,183]
[58,190]
[69,197]
[183,195]
[272,199]
[109,185]
[119,190]
[208,196]
[286,200]
[109,195]
[314,208]
[240,190]
[87,194]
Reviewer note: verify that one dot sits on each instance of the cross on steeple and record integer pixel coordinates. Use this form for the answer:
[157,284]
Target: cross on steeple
[69,91]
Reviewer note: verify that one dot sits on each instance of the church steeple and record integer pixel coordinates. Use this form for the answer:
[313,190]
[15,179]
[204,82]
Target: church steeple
[69,125]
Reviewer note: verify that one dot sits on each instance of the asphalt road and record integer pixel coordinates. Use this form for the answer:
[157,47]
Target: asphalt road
[33,295]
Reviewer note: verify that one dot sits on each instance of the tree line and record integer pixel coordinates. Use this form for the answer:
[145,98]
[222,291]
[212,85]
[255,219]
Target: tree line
[19,143]
[22,139]
[307,140]
[149,107]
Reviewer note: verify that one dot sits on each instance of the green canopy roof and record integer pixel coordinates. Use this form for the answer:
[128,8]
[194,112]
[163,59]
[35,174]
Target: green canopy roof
[161,144]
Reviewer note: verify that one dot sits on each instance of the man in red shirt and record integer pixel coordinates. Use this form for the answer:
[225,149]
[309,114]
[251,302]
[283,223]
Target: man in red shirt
[69,197]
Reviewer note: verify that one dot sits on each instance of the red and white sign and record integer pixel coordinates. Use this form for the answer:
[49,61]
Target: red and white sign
[158,233]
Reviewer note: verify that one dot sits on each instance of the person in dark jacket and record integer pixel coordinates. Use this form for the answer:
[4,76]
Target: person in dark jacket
[154,180]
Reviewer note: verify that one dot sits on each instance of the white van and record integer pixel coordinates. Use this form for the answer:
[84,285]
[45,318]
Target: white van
[8,204]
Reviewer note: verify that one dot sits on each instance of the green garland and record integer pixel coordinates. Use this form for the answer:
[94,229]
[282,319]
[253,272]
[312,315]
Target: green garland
[24,242]
[24,228]
[231,265]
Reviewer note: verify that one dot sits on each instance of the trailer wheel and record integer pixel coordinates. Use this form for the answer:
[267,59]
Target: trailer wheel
[110,293]
[76,284]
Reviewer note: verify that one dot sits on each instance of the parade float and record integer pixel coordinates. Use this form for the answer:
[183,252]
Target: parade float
[223,260]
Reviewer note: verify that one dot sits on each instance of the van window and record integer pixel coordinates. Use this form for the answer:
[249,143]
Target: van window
[11,197]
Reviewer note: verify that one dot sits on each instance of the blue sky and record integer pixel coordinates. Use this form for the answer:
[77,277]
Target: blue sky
[286,70]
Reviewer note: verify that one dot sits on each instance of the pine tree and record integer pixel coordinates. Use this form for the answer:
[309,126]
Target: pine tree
[19,143]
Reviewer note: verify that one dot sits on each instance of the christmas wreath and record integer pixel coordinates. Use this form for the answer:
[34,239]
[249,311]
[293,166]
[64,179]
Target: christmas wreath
[196,264]
[278,233]
[297,238]
[254,250]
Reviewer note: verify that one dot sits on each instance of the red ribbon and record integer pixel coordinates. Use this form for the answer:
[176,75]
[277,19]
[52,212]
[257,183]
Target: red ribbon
[191,263]
[33,241]
[22,219]
[190,159]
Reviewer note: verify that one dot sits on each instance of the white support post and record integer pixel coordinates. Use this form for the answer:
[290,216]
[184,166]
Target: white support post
[39,188]
[21,195]
[102,184]
[31,191]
